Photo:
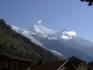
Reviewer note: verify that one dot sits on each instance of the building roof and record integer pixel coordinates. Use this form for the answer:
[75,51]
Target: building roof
[14,57]
[48,66]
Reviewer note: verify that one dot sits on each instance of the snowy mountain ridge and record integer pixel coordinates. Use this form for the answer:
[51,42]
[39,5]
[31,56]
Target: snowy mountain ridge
[63,42]
[45,32]
[42,31]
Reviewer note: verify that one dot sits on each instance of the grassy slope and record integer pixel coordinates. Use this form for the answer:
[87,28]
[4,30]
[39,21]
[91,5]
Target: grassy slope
[12,43]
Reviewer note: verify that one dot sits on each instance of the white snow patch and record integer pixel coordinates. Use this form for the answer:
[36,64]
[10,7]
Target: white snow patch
[68,35]
[55,52]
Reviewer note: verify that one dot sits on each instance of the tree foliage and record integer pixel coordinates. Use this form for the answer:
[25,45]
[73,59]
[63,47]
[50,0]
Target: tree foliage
[90,2]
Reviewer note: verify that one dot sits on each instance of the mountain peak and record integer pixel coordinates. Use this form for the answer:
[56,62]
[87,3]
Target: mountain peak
[3,25]
[2,21]
[42,30]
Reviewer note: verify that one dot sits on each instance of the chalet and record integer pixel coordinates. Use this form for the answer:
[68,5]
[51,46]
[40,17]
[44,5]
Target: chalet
[9,62]
[48,66]
[15,63]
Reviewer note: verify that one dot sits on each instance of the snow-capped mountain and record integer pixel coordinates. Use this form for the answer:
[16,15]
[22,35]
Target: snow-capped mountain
[64,42]
[45,32]
[41,31]
[26,33]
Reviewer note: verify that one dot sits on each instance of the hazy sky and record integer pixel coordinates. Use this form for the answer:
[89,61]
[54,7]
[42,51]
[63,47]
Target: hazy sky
[55,14]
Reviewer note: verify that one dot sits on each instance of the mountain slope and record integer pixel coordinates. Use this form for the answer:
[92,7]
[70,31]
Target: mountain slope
[14,44]
[64,48]
[65,42]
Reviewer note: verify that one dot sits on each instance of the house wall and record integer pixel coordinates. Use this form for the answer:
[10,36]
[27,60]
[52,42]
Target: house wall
[13,64]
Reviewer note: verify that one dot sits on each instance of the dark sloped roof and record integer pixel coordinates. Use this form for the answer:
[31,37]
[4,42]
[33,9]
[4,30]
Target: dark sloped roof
[48,66]
[76,60]
[72,63]
[8,56]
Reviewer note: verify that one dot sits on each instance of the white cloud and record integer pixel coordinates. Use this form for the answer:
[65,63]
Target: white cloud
[70,33]
[39,21]
[65,37]
[15,28]
[55,52]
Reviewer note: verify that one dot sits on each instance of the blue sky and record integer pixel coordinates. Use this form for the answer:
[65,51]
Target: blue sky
[55,14]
